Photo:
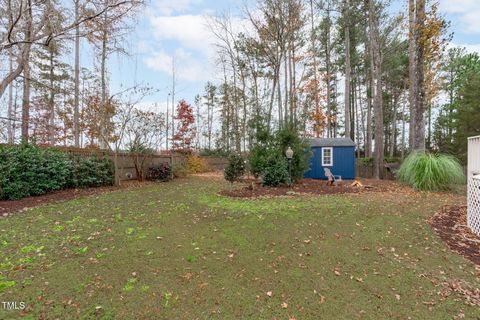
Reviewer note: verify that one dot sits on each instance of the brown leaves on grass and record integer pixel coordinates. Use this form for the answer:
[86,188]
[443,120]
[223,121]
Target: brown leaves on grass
[337,270]
[470,294]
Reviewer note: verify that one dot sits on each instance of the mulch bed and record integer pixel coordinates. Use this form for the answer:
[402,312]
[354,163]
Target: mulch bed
[305,186]
[9,207]
[450,223]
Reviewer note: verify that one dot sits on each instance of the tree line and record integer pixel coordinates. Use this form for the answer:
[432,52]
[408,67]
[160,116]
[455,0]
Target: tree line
[327,68]
[49,100]
[341,68]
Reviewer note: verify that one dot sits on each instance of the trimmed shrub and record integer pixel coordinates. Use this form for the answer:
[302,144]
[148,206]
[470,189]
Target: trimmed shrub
[196,164]
[428,171]
[92,171]
[275,172]
[180,170]
[235,168]
[30,171]
[162,172]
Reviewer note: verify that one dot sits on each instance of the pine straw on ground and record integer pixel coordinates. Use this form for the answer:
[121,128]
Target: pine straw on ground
[254,189]
[450,223]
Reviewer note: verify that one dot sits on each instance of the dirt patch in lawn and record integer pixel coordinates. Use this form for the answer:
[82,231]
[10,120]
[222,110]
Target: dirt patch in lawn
[9,207]
[254,189]
[450,223]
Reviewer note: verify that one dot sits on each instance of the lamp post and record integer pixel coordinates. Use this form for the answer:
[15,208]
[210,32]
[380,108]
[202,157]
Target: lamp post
[289,154]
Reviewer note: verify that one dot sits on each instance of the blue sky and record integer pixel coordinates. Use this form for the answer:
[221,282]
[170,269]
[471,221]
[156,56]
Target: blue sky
[178,28]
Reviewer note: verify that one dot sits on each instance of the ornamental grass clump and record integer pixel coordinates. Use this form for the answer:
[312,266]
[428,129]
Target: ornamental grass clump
[432,172]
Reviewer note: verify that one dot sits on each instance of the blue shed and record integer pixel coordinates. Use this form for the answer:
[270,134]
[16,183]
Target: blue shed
[337,154]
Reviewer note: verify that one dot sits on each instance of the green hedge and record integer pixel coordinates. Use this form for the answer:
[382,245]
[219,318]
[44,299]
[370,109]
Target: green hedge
[92,171]
[29,171]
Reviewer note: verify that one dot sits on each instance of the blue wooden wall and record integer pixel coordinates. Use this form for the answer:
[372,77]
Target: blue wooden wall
[343,163]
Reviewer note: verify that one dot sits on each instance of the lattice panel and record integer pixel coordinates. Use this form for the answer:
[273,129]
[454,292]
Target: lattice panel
[473,203]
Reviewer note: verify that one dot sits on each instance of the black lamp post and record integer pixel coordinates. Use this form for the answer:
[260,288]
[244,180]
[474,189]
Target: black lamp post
[289,154]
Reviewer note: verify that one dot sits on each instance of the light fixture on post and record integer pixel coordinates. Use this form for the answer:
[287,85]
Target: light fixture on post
[289,154]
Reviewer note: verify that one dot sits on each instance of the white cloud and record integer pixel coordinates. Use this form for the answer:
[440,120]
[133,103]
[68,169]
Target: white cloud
[187,66]
[468,12]
[192,42]
[168,7]
[471,48]
[190,31]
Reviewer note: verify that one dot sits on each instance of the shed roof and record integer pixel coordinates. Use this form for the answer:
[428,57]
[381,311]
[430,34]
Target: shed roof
[331,142]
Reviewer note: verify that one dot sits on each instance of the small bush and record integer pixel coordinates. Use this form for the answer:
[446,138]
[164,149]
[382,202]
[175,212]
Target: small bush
[91,171]
[275,172]
[235,168]
[162,172]
[196,164]
[434,172]
[180,170]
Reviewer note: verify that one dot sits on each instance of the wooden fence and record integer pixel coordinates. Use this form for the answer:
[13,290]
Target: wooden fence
[125,160]
[366,171]
[126,163]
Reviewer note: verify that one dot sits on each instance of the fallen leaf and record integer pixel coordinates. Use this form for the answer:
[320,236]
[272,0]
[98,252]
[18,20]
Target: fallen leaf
[322,299]
[284,305]
[269,293]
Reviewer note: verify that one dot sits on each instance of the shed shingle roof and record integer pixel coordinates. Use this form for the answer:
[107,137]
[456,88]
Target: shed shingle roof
[331,142]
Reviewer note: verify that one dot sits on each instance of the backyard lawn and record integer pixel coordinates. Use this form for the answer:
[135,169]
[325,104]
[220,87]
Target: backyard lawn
[177,250]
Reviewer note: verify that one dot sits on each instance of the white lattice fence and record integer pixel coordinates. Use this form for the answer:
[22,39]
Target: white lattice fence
[473,215]
[473,172]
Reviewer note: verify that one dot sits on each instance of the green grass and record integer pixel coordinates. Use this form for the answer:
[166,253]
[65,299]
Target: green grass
[178,251]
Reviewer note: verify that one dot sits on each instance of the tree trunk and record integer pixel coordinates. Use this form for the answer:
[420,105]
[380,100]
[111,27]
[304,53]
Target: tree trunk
[393,134]
[329,78]
[103,83]
[419,125]
[315,78]
[76,99]
[369,91]
[347,70]
[377,102]
[412,70]
[11,120]
[26,75]
[51,118]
